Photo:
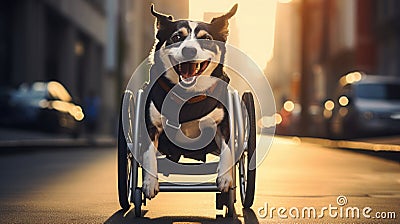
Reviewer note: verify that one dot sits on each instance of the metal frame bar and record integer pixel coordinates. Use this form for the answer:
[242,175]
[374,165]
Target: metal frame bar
[136,133]
[188,187]
[237,140]
[239,121]
[135,143]
[231,123]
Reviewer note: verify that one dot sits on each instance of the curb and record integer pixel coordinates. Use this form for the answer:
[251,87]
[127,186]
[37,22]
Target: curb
[355,145]
[386,151]
[13,146]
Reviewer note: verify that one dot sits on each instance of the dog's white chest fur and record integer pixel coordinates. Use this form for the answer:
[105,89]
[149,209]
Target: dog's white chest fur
[190,129]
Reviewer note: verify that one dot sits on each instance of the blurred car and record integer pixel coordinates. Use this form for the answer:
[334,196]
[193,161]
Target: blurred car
[45,106]
[366,105]
[288,118]
[290,123]
[5,95]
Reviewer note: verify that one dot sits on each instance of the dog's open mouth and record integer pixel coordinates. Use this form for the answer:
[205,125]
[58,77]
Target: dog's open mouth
[190,70]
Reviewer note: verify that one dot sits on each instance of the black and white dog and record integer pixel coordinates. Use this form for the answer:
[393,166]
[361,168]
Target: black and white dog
[184,52]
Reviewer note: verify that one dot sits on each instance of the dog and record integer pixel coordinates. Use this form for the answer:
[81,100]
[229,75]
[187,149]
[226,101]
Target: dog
[183,53]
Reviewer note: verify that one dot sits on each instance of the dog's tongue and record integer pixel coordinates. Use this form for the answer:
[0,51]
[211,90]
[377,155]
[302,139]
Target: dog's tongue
[188,69]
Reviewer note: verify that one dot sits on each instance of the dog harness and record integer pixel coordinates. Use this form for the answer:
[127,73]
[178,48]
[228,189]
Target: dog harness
[194,108]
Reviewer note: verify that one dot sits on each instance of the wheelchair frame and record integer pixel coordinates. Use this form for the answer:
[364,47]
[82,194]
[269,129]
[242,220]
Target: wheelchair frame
[242,129]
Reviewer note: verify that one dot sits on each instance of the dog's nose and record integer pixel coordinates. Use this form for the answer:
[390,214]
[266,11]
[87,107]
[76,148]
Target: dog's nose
[189,52]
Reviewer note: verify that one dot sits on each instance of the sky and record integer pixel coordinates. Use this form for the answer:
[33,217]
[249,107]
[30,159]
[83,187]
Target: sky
[254,19]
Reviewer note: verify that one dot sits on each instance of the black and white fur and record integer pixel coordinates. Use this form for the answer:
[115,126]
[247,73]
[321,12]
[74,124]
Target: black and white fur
[176,42]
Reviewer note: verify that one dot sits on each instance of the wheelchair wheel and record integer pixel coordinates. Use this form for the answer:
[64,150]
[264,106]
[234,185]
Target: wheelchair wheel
[124,169]
[226,199]
[230,206]
[247,177]
[138,202]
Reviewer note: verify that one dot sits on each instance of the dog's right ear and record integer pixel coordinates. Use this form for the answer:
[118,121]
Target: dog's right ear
[162,19]
[220,24]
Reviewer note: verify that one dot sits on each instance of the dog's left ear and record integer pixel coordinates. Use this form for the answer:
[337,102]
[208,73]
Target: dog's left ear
[221,23]
[162,20]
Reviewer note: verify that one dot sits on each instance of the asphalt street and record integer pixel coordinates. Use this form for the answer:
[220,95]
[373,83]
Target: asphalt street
[79,186]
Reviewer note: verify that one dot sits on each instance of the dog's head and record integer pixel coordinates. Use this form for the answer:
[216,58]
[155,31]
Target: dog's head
[192,48]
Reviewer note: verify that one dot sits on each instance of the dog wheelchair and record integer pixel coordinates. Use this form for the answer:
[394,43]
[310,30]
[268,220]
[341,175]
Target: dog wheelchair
[242,144]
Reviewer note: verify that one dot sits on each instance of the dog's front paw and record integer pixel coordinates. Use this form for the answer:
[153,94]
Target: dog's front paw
[150,186]
[224,182]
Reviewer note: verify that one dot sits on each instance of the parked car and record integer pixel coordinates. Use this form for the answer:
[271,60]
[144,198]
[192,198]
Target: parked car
[288,118]
[365,105]
[5,95]
[45,106]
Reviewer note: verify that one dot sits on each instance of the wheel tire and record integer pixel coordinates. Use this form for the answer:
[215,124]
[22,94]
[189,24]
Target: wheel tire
[247,177]
[230,206]
[123,190]
[138,202]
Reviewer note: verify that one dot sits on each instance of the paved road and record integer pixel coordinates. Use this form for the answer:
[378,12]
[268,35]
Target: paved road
[79,186]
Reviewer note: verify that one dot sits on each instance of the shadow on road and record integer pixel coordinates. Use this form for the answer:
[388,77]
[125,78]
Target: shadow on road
[129,217]
[249,216]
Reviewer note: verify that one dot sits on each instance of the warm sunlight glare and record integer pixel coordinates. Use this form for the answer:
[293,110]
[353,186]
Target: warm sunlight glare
[253,25]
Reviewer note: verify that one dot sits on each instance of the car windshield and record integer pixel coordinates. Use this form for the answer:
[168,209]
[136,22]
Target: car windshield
[379,91]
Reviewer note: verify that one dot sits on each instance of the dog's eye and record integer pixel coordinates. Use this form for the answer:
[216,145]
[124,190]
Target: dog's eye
[176,38]
[206,37]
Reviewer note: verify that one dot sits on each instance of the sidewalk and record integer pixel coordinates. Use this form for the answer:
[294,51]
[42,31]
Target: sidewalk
[384,147]
[377,144]
[12,139]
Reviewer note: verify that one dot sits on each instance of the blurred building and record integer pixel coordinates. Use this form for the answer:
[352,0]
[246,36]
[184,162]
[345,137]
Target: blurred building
[62,40]
[53,40]
[320,41]
[362,35]
[90,46]
[284,68]
[387,35]
[341,36]
[329,45]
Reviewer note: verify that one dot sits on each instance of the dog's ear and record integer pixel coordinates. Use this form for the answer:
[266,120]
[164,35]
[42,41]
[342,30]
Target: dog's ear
[220,24]
[162,19]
